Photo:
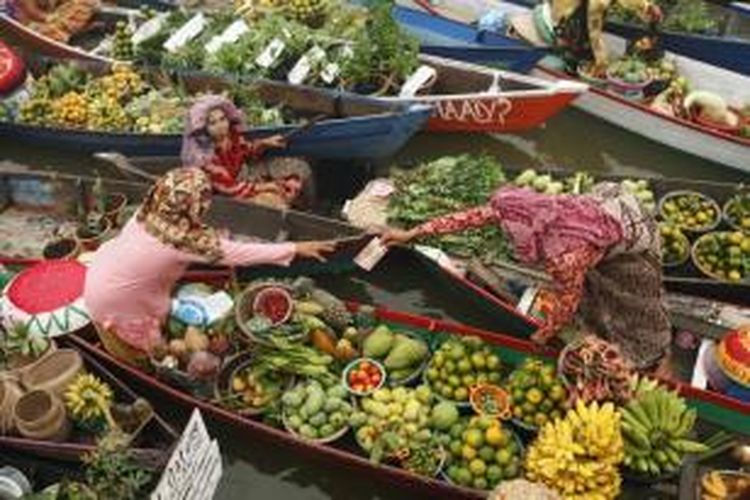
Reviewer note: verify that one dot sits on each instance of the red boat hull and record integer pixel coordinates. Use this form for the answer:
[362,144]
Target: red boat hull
[496,114]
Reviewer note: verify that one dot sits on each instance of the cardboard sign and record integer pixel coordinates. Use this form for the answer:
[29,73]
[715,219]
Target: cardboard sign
[330,72]
[187,32]
[230,35]
[417,80]
[301,70]
[194,469]
[269,55]
[149,28]
[373,253]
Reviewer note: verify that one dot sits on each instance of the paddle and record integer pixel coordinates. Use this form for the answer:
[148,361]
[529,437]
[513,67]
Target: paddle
[121,161]
[304,127]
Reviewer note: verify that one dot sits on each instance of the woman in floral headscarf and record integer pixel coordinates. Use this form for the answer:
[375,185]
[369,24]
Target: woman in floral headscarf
[130,278]
[601,250]
[213,141]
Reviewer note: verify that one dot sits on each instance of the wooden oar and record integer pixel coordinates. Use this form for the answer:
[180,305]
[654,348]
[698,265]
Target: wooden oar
[121,161]
[304,127]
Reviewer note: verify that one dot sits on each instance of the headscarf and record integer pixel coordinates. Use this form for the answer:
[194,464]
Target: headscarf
[197,146]
[173,211]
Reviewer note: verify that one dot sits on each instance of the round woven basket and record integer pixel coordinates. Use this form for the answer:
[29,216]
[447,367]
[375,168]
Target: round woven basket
[701,268]
[708,227]
[243,307]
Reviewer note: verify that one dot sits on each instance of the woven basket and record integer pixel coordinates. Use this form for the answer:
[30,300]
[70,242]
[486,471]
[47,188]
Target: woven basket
[120,349]
[243,306]
[711,226]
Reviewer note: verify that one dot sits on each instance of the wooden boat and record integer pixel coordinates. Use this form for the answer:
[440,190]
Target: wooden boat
[151,448]
[356,127]
[724,148]
[467,97]
[454,40]
[472,98]
[511,56]
[724,51]
[712,408]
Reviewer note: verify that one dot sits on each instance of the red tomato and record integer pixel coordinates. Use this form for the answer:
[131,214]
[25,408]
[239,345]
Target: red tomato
[358,388]
[375,378]
[365,365]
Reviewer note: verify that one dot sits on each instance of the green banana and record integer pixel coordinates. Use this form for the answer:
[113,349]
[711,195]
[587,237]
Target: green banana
[627,417]
[673,456]
[636,410]
[687,421]
[687,446]
[637,438]
[641,465]
[661,457]
[649,408]
[653,467]
[633,450]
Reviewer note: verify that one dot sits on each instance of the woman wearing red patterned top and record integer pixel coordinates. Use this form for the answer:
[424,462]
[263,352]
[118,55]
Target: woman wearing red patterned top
[213,140]
[601,250]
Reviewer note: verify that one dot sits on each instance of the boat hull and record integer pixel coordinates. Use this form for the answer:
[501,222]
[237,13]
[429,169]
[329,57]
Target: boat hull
[725,52]
[454,40]
[715,146]
[356,138]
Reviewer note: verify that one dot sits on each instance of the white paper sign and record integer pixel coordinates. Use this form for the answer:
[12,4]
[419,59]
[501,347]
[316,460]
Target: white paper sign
[230,35]
[412,84]
[274,49]
[194,469]
[330,72]
[371,254]
[299,72]
[149,28]
[187,32]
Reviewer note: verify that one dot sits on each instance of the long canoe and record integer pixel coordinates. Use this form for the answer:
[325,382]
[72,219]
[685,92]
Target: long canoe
[151,449]
[712,408]
[711,144]
[56,195]
[460,45]
[724,51]
[466,97]
[355,127]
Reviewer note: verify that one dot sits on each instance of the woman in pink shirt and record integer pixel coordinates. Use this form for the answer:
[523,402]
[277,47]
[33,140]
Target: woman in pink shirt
[130,279]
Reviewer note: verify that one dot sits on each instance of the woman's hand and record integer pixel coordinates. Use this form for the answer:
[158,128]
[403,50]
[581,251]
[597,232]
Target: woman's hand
[314,249]
[275,141]
[392,237]
[267,187]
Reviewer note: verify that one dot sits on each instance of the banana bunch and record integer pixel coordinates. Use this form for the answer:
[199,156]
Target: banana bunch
[579,455]
[87,398]
[713,487]
[654,425]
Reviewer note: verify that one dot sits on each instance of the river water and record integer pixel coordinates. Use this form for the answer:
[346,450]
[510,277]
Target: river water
[573,140]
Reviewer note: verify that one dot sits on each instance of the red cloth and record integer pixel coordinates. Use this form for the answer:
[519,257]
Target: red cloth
[226,166]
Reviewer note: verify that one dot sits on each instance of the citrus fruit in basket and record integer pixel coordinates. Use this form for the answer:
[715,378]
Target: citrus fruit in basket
[737,211]
[482,453]
[723,255]
[675,247]
[459,364]
[689,210]
[274,303]
[538,396]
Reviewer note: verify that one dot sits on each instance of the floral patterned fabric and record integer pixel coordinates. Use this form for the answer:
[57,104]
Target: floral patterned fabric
[173,211]
[581,241]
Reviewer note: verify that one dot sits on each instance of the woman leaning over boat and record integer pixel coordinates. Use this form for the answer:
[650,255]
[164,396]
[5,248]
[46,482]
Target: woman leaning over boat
[130,278]
[601,250]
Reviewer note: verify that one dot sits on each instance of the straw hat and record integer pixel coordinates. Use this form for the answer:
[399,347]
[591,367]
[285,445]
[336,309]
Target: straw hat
[535,27]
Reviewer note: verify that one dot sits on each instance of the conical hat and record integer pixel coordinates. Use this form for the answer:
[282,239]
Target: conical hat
[48,298]
[534,27]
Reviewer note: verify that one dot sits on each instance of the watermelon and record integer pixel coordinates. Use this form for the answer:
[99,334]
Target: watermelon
[12,70]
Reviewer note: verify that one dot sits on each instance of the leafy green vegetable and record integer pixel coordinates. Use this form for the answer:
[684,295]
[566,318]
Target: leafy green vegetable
[447,185]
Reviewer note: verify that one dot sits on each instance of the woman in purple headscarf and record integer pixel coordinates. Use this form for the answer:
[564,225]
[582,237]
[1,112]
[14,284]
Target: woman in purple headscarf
[214,142]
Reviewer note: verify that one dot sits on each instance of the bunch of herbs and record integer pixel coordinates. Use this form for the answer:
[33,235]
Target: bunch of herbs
[448,185]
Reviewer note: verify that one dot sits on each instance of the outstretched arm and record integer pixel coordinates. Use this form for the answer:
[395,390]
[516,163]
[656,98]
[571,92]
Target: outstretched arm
[451,223]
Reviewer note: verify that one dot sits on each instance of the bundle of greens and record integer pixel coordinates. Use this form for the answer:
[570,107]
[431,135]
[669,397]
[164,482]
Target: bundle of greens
[447,185]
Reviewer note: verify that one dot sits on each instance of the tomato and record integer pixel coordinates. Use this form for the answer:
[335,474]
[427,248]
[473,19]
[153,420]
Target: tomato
[365,365]
[12,69]
[376,378]
[358,388]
